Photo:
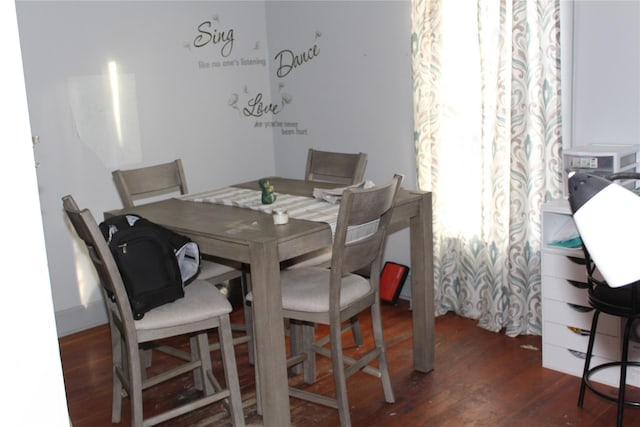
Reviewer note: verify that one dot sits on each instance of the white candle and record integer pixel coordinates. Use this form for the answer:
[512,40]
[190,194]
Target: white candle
[280,216]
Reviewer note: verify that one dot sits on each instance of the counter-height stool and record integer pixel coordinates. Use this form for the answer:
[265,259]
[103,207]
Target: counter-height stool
[144,184]
[316,295]
[203,308]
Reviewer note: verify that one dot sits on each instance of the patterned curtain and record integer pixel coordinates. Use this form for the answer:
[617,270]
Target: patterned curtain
[488,142]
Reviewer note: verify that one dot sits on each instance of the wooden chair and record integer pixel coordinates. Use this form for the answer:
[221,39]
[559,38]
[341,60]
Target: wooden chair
[333,296]
[145,184]
[202,308]
[342,168]
[328,166]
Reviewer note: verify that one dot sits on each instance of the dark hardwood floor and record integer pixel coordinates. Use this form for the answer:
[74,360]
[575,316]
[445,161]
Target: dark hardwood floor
[480,379]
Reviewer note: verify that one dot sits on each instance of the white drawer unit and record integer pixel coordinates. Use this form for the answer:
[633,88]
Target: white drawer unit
[565,290]
[566,314]
[579,317]
[571,362]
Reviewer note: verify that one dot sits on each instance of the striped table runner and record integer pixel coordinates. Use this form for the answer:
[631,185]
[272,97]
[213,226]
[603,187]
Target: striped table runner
[298,207]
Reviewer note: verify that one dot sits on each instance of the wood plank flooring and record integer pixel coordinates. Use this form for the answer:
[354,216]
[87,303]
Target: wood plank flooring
[480,379]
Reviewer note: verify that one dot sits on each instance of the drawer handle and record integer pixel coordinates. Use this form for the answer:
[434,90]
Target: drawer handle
[578,354]
[580,308]
[579,285]
[578,331]
[576,260]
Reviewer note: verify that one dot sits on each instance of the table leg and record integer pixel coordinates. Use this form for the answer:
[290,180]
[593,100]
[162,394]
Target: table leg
[271,363]
[422,291]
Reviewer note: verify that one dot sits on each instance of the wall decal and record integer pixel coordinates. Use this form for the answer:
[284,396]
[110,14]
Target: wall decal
[217,42]
[219,47]
[287,61]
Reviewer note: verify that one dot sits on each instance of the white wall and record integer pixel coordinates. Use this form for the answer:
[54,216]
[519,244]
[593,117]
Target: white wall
[606,72]
[357,94]
[352,93]
[566,59]
[174,100]
[34,392]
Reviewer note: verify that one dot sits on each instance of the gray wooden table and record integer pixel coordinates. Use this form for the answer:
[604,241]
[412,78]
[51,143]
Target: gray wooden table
[250,237]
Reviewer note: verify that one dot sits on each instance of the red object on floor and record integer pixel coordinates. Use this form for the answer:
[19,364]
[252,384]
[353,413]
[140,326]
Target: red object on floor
[391,280]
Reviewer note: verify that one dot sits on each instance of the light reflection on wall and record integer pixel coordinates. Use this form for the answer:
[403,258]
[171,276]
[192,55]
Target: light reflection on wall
[115,96]
[105,114]
[87,278]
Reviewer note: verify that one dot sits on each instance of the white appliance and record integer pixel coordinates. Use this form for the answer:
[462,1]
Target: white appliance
[601,159]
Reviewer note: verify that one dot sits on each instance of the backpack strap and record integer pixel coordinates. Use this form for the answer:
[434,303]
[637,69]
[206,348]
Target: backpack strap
[111,226]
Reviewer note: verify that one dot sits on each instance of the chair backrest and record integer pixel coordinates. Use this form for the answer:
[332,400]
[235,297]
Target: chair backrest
[110,280]
[342,168]
[150,181]
[361,230]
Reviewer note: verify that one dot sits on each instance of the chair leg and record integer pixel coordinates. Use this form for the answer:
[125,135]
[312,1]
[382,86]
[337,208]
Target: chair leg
[117,365]
[309,364]
[135,386]
[352,324]
[339,377]
[301,340]
[355,330]
[257,379]
[296,343]
[230,371]
[146,358]
[587,361]
[383,365]
[201,349]
[623,371]
[245,283]
[258,395]
[199,376]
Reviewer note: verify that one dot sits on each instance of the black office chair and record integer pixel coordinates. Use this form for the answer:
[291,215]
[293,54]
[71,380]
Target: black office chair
[623,302]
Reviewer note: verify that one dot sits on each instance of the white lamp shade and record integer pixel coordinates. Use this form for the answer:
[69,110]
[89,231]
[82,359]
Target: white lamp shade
[609,225]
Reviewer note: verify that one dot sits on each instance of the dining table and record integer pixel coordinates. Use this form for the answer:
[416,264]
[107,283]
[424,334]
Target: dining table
[250,237]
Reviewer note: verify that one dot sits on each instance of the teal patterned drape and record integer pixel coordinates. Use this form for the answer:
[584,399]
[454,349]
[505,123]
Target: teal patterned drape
[488,142]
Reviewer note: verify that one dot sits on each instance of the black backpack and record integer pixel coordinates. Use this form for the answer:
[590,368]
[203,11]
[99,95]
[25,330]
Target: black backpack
[155,263]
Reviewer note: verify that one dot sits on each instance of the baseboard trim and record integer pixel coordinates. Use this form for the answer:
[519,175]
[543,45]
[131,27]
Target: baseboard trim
[79,318]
